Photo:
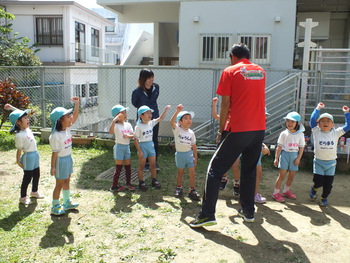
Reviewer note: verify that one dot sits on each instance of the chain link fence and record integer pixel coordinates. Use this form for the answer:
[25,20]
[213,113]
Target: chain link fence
[101,87]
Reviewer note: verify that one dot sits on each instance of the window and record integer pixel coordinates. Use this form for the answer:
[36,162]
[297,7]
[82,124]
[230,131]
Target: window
[49,30]
[95,42]
[259,45]
[110,29]
[215,47]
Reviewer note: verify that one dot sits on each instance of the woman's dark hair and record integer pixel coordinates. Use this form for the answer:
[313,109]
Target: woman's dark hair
[240,51]
[17,128]
[144,75]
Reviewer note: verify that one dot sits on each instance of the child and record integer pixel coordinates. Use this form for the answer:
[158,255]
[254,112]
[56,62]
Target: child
[290,147]
[123,133]
[235,166]
[144,144]
[186,150]
[61,159]
[325,150]
[29,161]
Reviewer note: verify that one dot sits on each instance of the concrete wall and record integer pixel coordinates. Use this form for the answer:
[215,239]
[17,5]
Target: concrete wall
[234,17]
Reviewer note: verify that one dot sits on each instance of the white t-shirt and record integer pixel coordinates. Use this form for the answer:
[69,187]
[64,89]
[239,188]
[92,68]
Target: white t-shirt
[120,130]
[144,131]
[184,139]
[61,142]
[291,142]
[325,143]
[24,140]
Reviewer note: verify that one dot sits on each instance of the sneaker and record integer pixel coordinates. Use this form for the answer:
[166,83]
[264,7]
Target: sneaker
[203,221]
[313,193]
[25,200]
[57,210]
[157,167]
[236,189]
[70,206]
[130,187]
[193,195]
[142,186]
[259,199]
[118,188]
[178,192]
[223,183]
[278,197]
[248,219]
[155,184]
[324,201]
[146,168]
[289,195]
[36,195]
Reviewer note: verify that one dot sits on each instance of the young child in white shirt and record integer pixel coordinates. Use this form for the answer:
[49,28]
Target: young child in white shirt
[123,132]
[144,144]
[325,139]
[186,150]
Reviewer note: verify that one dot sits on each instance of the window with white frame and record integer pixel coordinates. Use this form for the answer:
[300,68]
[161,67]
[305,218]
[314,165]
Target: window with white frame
[110,29]
[49,30]
[215,48]
[259,45]
[95,42]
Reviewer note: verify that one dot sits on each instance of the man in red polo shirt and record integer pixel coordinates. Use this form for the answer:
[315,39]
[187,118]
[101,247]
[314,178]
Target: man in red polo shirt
[242,130]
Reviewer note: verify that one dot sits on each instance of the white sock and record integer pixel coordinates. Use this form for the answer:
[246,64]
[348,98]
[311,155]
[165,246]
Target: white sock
[276,191]
[286,188]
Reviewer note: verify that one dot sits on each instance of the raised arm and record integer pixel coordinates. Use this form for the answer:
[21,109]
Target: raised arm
[162,116]
[76,109]
[346,127]
[173,118]
[214,113]
[315,114]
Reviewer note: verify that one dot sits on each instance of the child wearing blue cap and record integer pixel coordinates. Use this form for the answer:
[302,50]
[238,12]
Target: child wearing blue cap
[186,150]
[123,132]
[29,161]
[61,159]
[144,144]
[325,138]
[290,148]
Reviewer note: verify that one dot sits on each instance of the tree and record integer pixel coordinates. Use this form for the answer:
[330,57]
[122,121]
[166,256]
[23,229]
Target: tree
[15,51]
[9,94]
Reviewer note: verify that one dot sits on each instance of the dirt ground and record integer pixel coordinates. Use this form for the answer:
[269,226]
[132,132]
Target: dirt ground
[295,231]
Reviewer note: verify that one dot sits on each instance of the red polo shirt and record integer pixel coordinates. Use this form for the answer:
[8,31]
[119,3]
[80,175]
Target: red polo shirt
[244,82]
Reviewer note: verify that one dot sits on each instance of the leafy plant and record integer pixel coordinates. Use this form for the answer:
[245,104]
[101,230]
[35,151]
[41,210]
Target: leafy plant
[10,94]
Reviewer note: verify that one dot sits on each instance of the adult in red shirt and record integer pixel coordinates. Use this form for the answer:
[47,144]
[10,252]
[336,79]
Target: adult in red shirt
[242,127]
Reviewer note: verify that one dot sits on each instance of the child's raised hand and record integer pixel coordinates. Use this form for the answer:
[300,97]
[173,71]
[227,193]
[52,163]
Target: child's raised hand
[167,107]
[179,107]
[320,106]
[215,100]
[7,106]
[75,99]
[345,109]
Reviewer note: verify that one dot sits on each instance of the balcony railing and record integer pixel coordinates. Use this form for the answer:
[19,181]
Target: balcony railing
[93,55]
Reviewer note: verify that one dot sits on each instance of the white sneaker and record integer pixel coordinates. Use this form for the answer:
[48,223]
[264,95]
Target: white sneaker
[25,200]
[37,195]
[259,199]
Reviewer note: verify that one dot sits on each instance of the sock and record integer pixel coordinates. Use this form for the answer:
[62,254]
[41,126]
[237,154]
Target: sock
[179,186]
[128,174]
[286,188]
[236,181]
[276,191]
[66,195]
[154,179]
[118,169]
[55,202]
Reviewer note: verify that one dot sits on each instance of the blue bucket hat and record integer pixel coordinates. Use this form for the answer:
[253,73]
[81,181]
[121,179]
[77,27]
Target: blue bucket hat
[118,108]
[142,110]
[325,115]
[266,113]
[183,113]
[294,116]
[56,114]
[15,115]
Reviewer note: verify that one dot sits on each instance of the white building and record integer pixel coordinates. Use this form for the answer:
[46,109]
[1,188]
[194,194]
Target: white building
[199,33]
[67,32]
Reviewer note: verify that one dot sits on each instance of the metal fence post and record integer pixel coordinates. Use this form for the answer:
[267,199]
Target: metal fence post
[43,98]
